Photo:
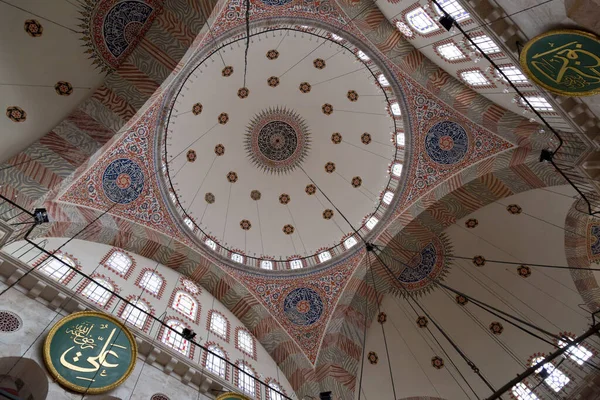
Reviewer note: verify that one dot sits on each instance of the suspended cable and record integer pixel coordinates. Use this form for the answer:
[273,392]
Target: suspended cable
[387,353]
[526,263]
[247,40]
[364,343]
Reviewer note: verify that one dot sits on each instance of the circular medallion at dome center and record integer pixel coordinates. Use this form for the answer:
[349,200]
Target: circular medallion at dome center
[277,140]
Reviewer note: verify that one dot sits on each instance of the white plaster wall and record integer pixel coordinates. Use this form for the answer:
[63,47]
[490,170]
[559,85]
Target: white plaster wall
[28,342]
[89,255]
[547,298]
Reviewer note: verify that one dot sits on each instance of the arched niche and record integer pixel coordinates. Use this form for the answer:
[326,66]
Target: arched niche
[24,378]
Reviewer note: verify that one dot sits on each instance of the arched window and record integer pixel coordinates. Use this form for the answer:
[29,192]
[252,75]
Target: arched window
[218,325]
[522,392]
[576,352]
[119,262]
[185,304]
[133,315]
[151,282]
[215,364]
[245,342]
[246,379]
[266,264]
[210,243]
[555,378]
[97,293]
[420,21]
[274,388]
[453,8]
[350,242]
[56,269]
[173,340]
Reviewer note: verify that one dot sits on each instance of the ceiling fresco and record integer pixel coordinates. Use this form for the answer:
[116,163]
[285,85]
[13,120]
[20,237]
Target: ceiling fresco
[460,152]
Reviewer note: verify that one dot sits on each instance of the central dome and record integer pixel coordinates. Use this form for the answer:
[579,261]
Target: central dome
[255,157]
[277,140]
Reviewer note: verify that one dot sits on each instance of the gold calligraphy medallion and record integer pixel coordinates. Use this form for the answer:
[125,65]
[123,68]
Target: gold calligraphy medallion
[565,61]
[90,352]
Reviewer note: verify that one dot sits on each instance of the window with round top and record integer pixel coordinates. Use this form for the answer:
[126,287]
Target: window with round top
[173,339]
[266,264]
[383,80]
[211,244]
[275,391]
[96,292]
[9,321]
[135,313]
[576,352]
[218,325]
[58,269]
[245,342]
[453,8]
[120,262]
[555,378]
[350,242]
[421,21]
[184,303]
[522,392]
[246,379]
[151,282]
[215,364]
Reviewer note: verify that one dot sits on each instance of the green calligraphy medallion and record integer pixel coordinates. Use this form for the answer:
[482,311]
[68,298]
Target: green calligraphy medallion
[566,62]
[90,352]
[232,396]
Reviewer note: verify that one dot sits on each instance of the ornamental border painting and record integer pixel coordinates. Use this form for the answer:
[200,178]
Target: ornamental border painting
[564,61]
[100,357]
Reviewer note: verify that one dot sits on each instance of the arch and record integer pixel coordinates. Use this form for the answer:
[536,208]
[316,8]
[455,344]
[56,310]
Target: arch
[26,373]
[185,304]
[214,364]
[119,262]
[246,382]
[135,317]
[58,268]
[218,323]
[94,292]
[175,341]
[514,171]
[152,282]
[245,342]
[578,249]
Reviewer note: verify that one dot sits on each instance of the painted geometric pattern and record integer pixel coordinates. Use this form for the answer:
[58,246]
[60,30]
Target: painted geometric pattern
[112,28]
[45,165]
[302,304]
[123,180]
[445,142]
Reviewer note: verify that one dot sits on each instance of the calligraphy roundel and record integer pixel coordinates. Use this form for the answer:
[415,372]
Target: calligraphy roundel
[90,352]
[564,61]
[446,142]
[303,306]
[123,181]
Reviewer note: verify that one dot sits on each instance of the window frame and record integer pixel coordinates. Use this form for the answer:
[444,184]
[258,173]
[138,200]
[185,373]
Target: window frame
[241,346]
[210,361]
[47,263]
[111,264]
[432,26]
[178,295]
[139,283]
[224,333]
[105,296]
[246,381]
[141,316]
[185,347]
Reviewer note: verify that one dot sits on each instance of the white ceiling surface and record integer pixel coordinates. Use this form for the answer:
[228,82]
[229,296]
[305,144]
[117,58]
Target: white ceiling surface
[547,298]
[30,67]
[393,12]
[352,158]
[544,16]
